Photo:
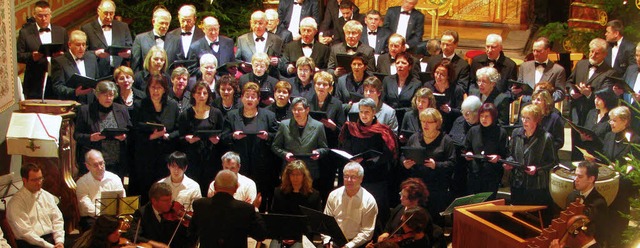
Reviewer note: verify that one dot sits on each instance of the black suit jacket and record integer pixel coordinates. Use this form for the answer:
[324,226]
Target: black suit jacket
[365,49]
[338,29]
[581,106]
[596,210]
[120,36]
[309,9]
[141,46]
[382,37]
[460,69]
[284,34]
[390,92]
[624,58]
[384,65]
[174,45]
[505,66]
[29,41]
[293,51]
[201,47]
[152,229]
[415,27]
[221,221]
[500,101]
[63,67]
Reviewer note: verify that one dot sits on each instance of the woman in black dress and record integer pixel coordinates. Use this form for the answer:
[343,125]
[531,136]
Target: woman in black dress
[127,95]
[201,149]
[436,170]
[552,121]
[400,87]
[531,147]
[422,99]
[153,145]
[229,91]
[93,118]
[449,95]
[281,106]
[249,131]
[490,140]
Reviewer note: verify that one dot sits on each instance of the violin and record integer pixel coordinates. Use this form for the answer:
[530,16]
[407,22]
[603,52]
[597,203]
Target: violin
[178,213]
[399,238]
[123,242]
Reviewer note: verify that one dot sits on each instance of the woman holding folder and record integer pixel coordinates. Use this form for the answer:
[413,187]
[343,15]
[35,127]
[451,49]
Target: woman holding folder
[437,161]
[157,129]
[200,128]
[449,95]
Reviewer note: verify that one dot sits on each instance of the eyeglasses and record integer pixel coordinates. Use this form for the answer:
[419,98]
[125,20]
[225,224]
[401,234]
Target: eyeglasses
[36,180]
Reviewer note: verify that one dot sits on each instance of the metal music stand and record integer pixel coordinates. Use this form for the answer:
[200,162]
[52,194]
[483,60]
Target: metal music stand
[9,185]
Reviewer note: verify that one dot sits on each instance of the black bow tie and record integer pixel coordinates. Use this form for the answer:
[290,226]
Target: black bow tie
[492,61]
[217,43]
[593,66]
[613,44]
[79,59]
[541,64]
[296,3]
[404,12]
[307,45]
[352,49]
[185,33]
[259,39]
[155,37]
[372,33]
[44,30]
[393,60]
[107,26]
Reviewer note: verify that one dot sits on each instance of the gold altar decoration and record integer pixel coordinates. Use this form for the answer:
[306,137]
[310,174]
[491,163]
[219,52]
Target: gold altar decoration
[7,71]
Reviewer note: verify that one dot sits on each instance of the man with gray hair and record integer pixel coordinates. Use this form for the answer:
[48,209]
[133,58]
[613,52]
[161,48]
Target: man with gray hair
[221,220]
[351,45]
[260,41]
[353,207]
[246,187]
[588,76]
[307,46]
[180,39]
[273,26]
[155,37]
[212,43]
[76,61]
[494,57]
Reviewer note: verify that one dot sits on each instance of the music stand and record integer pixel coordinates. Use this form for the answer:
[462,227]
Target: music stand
[9,185]
[285,226]
[324,224]
[112,203]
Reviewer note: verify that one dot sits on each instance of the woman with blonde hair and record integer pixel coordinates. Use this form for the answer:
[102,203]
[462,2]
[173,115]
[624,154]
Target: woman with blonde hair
[552,121]
[155,63]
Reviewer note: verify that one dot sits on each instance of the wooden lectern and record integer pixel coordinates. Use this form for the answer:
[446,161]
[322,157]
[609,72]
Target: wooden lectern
[58,171]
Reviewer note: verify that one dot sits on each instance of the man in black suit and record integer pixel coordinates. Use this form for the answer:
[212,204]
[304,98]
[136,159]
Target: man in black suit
[495,58]
[153,228]
[307,47]
[620,51]
[632,79]
[588,76]
[30,37]
[352,45]
[180,39]
[406,21]
[331,15]
[212,43]
[221,220]
[76,61]
[346,8]
[375,36]
[594,202]
[386,62]
[104,32]
[448,44]
[292,11]
[155,37]
[259,40]
[273,26]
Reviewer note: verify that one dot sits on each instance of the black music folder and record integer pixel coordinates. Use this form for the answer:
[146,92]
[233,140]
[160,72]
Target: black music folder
[321,223]
[50,49]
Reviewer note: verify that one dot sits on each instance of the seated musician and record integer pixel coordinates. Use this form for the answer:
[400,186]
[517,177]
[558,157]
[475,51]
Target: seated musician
[105,233]
[184,189]
[413,232]
[594,202]
[33,214]
[92,184]
[576,235]
[153,223]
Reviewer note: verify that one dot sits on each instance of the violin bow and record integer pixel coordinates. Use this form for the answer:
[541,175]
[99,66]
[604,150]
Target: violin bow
[135,238]
[176,230]
[401,225]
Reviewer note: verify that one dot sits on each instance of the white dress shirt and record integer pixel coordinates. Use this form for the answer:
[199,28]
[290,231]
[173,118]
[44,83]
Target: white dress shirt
[186,40]
[539,71]
[355,215]
[403,22]
[184,192]
[79,64]
[614,52]
[108,37]
[45,37]
[246,191]
[214,47]
[32,215]
[159,42]
[372,38]
[294,24]
[89,190]
[261,46]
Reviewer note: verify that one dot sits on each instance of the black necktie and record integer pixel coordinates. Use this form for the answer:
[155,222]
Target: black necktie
[155,37]
[404,12]
[259,39]
[373,33]
[541,64]
[106,26]
[185,33]
[307,45]
[44,30]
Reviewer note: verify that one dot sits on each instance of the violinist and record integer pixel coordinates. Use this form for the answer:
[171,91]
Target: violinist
[104,234]
[184,190]
[150,224]
[413,233]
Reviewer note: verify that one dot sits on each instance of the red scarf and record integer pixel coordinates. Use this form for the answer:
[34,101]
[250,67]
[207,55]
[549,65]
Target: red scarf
[361,131]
